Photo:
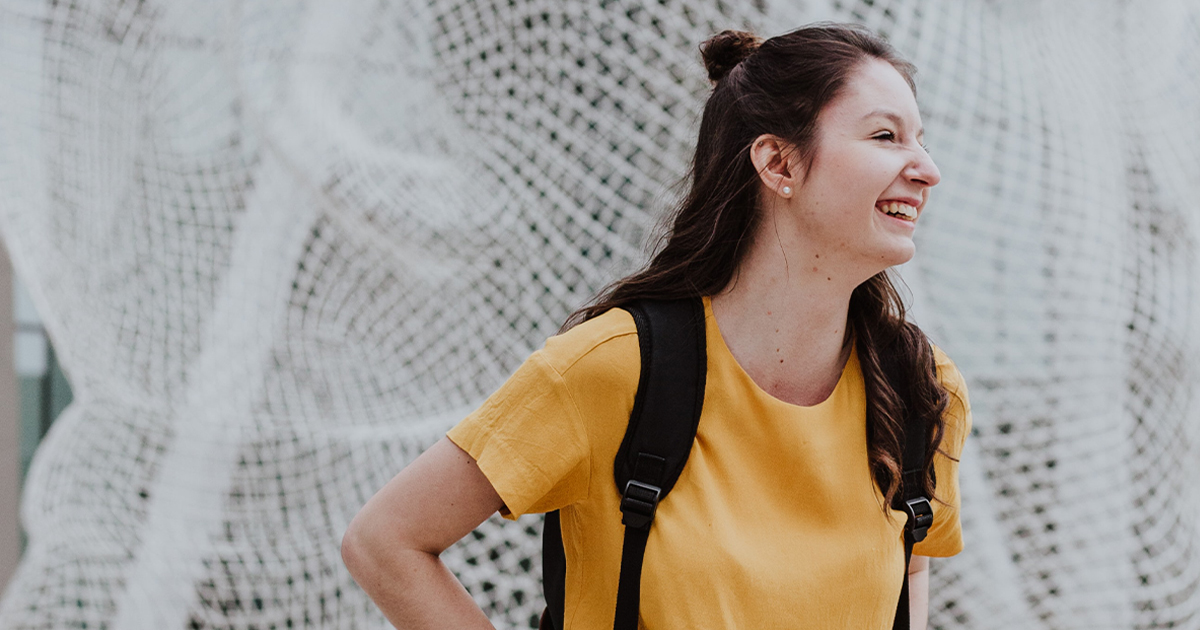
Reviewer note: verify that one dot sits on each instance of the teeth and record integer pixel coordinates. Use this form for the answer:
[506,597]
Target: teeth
[898,209]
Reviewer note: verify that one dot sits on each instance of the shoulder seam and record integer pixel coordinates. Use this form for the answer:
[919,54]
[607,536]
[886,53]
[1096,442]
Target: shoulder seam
[593,348]
[610,336]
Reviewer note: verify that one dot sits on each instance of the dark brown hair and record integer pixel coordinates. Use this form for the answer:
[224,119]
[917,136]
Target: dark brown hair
[779,86]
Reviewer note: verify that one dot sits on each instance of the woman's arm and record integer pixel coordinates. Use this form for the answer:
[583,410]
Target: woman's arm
[392,546]
[918,592]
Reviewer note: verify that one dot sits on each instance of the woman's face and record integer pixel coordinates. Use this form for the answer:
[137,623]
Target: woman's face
[868,167]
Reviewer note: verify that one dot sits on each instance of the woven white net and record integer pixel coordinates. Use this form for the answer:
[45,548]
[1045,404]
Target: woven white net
[282,246]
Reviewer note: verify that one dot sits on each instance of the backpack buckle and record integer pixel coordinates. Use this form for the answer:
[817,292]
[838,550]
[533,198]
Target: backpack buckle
[920,517]
[638,504]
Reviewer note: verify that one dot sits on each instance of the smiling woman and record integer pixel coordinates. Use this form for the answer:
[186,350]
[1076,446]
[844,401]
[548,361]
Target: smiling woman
[803,494]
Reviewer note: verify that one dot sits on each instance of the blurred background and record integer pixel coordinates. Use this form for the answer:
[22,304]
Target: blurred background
[264,252]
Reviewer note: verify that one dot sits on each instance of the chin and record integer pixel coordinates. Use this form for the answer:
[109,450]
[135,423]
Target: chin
[884,254]
[899,254]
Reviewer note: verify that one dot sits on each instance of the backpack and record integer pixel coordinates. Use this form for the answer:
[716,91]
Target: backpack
[657,442]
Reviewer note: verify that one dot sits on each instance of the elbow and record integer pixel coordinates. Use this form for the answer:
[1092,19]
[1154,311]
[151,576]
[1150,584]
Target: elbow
[351,549]
[375,556]
[358,550]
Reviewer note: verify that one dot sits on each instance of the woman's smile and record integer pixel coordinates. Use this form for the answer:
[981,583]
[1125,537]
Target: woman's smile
[898,209]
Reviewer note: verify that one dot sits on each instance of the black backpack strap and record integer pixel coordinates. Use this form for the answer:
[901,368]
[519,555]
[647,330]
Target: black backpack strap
[914,503]
[657,442]
[554,573]
[662,428]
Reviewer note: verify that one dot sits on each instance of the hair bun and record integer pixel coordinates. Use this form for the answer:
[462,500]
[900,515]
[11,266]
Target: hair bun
[725,50]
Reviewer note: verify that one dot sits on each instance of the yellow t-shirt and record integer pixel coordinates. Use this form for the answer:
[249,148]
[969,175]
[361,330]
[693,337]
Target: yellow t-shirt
[775,521]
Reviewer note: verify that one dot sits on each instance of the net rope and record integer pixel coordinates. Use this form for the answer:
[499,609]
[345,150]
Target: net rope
[281,247]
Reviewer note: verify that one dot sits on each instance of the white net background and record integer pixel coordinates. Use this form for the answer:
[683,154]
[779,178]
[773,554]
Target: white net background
[282,246]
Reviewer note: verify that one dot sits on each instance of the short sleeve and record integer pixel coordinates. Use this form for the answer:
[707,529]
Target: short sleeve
[945,536]
[529,441]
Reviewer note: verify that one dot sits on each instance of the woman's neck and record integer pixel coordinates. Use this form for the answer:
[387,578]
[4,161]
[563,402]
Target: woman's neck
[784,319]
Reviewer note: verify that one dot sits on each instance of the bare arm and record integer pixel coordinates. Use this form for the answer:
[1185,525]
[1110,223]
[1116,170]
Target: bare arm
[918,592]
[392,546]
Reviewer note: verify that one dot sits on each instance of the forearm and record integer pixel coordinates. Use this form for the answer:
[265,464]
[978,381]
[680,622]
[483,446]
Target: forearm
[918,593]
[391,547]
[415,590]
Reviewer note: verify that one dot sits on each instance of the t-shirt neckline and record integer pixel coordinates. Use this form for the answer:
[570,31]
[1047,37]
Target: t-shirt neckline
[718,340]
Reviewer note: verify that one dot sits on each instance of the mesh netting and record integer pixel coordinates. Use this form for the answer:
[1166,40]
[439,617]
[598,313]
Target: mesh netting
[281,247]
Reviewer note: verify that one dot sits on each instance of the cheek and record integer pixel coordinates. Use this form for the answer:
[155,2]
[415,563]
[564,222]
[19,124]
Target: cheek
[855,186]
[841,167]
[858,174]
[843,186]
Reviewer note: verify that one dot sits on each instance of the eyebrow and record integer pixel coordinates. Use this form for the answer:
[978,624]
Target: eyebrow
[894,117]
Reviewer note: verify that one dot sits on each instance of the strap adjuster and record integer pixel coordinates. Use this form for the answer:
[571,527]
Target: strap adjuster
[920,518]
[638,504]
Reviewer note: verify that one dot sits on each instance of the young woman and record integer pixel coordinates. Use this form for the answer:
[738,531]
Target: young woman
[808,181]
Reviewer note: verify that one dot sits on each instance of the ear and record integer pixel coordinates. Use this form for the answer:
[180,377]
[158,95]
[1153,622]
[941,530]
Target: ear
[774,159]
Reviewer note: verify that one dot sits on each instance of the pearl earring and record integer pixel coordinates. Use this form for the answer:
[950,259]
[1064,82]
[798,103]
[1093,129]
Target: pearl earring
[787,190]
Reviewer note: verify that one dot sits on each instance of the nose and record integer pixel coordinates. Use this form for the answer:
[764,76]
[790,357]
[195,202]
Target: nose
[922,170]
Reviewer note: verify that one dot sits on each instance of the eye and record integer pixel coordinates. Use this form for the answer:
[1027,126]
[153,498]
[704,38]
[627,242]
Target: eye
[884,135]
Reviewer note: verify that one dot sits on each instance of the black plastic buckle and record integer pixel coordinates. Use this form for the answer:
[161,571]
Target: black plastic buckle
[920,517]
[638,504]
